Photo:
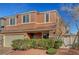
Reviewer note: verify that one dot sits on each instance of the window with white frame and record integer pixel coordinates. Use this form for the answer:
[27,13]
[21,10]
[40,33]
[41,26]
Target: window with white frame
[12,21]
[25,18]
[47,17]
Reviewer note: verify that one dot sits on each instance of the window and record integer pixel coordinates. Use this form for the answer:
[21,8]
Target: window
[47,17]
[25,18]
[0,23]
[46,35]
[12,21]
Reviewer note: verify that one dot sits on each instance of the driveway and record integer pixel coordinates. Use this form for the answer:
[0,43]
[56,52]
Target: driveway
[66,51]
[5,50]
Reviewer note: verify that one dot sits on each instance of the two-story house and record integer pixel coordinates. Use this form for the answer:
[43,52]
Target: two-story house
[31,25]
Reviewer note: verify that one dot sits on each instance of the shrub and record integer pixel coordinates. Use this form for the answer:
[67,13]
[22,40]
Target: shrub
[26,44]
[39,43]
[33,43]
[17,44]
[21,44]
[51,43]
[45,43]
[58,43]
[51,51]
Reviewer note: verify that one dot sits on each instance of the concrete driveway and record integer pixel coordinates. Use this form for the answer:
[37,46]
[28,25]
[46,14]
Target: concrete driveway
[5,50]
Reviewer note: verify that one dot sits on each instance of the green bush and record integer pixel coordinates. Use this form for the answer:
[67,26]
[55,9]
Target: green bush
[34,43]
[51,43]
[21,44]
[51,51]
[44,43]
[17,44]
[25,44]
[47,43]
[58,43]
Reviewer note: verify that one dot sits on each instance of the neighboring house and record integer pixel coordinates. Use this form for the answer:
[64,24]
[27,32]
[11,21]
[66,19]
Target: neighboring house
[31,25]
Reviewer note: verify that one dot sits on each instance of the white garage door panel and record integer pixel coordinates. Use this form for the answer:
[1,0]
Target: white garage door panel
[9,38]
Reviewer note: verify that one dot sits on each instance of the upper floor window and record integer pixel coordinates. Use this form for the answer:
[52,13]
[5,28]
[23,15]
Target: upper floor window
[26,19]
[12,21]
[47,17]
[1,22]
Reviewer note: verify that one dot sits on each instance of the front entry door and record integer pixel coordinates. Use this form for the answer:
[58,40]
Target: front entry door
[37,35]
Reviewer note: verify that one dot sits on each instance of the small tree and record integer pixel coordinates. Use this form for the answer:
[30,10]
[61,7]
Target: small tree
[73,11]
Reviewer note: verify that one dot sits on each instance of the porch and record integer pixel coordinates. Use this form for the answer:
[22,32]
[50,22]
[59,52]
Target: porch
[9,37]
[38,35]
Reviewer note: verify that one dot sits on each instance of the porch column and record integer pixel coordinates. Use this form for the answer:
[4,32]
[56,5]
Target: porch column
[52,35]
[26,36]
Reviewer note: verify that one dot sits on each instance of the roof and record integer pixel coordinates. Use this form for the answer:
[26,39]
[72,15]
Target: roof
[35,28]
[30,12]
[2,18]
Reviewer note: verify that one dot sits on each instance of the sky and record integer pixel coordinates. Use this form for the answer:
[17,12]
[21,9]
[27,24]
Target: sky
[9,9]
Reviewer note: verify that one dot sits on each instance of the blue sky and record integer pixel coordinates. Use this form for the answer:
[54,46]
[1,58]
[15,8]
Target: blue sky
[9,9]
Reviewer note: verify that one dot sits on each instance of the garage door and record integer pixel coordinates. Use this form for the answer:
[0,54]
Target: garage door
[9,38]
[1,40]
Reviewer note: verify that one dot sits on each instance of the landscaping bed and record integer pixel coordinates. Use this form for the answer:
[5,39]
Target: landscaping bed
[32,51]
[48,45]
[29,52]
